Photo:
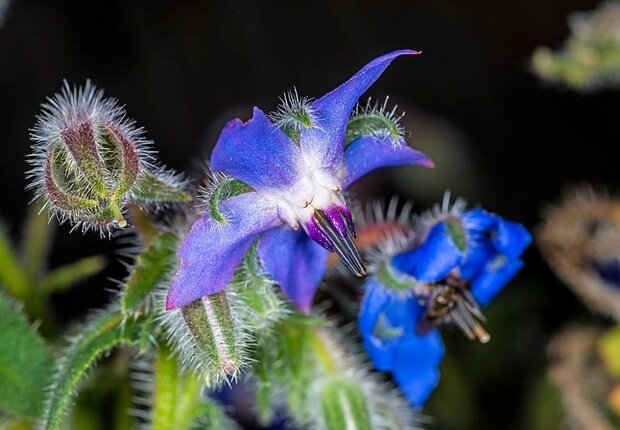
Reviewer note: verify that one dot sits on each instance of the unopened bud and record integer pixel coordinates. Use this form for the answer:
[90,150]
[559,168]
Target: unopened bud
[89,160]
[344,406]
[209,337]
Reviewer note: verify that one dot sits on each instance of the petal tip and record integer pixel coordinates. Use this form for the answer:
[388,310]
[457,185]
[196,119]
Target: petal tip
[171,304]
[407,52]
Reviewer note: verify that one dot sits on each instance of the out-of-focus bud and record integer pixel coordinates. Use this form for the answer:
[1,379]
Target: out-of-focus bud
[324,382]
[343,406]
[210,337]
[580,239]
[89,161]
[586,385]
[589,59]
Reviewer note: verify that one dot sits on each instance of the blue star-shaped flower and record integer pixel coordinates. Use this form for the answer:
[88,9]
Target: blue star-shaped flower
[296,209]
[461,262]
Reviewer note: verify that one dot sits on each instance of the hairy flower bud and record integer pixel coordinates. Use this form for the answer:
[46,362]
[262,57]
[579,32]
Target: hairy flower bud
[210,337]
[89,161]
[343,406]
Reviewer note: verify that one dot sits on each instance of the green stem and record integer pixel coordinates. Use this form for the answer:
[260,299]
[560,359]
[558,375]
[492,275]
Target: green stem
[118,214]
[321,351]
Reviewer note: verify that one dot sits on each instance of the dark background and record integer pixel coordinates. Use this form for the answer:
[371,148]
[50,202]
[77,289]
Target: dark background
[500,138]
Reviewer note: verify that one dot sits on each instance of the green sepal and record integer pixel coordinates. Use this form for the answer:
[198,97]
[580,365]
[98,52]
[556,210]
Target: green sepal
[228,187]
[25,363]
[108,330]
[216,335]
[263,306]
[394,280]
[457,233]
[373,122]
[121,160]
[152,266]
[292,132]
[64,187]
[80,140]
[343,406]
[150,188]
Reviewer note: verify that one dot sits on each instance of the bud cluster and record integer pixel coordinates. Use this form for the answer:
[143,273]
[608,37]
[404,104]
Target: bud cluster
[89,160]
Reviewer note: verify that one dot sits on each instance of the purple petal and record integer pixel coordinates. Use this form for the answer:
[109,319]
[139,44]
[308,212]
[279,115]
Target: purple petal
[493,279]
[369,153]
[433,259]
[257,153]
[416,366]
[295,261]
[325,143]
[211,251]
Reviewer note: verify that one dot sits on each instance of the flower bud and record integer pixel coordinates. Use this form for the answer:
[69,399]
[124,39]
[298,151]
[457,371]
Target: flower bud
[580,239]
[89,161]
[210,337]
[343,406]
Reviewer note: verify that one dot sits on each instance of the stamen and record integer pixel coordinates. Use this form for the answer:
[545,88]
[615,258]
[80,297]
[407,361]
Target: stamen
[336,240]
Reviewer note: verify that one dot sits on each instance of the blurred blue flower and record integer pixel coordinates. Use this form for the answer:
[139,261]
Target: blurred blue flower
[461,260]
[297,168]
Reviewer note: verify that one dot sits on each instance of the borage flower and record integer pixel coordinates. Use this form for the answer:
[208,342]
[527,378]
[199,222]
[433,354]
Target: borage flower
[461,261]
[297,170]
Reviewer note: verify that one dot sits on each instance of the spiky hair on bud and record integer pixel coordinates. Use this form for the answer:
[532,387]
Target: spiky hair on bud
[89,160]
[376,119]
[294,113]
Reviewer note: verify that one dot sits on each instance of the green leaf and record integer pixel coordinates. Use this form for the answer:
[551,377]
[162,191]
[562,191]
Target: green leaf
[92,340]
[38,234]
[25,363]
[609,349]
[67,275]
[12,274]
[150,188]
[152,266]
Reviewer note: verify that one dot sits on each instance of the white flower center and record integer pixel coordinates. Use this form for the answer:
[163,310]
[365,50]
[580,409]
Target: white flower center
[317,189]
